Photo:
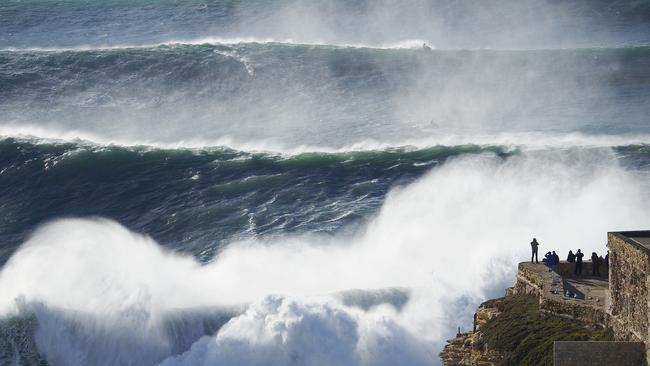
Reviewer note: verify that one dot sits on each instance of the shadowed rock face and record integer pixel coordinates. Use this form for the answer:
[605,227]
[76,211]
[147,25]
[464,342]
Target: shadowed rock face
[629,286]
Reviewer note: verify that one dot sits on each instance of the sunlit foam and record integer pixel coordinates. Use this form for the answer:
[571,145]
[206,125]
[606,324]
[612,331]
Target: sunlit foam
[453,238]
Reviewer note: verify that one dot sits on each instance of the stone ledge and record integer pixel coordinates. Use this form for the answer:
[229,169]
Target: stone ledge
[549,286]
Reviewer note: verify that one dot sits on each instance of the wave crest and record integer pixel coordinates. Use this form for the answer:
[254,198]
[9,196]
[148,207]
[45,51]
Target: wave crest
[476,212]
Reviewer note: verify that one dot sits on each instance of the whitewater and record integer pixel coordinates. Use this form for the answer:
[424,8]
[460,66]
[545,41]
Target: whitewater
[301,183]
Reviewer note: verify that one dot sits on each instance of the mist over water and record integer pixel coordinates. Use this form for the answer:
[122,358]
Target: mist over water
[277,183]
[444,24]
[288,98]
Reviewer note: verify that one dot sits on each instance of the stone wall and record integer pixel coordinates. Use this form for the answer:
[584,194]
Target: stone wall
[598,353]
[629,282]
[539,283]
[531,283]
[628,288]
[565,269]
[528,282]
[576,311]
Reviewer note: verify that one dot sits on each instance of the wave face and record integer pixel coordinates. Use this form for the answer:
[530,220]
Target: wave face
[102,294]
[296,183]
[286,97]
[208,197]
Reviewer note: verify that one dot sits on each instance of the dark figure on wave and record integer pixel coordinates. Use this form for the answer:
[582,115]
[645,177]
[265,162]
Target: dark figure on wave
[426,47]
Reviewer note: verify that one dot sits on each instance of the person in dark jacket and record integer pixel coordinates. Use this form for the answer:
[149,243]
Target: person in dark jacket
[533,247]
[595,263]
[578,268]
[571,258]
[549,259]
[552,260]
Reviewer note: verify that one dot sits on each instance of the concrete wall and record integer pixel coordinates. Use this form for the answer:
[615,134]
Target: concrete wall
[629,282]
[598,353]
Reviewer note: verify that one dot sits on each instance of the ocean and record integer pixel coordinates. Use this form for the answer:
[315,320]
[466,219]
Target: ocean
[293,182]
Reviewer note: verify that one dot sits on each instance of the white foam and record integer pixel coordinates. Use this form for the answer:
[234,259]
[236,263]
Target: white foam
[282,331]
[453,237]
[233,41]
[522,140]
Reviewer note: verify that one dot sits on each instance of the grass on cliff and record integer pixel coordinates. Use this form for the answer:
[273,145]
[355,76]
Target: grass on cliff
[526,336]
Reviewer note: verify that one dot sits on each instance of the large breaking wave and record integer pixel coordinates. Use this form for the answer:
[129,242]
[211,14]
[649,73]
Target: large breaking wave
[449,239]
[253,182]
[296,97]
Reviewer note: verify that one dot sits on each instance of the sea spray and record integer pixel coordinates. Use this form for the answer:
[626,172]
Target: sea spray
[450,237]
[296,182]
[299,97]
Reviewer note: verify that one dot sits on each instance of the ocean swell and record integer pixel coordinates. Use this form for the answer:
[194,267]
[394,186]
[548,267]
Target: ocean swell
[294,182]
[100,269]
[300,98]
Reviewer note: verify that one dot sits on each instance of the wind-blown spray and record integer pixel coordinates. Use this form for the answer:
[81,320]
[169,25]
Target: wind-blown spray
[451,239]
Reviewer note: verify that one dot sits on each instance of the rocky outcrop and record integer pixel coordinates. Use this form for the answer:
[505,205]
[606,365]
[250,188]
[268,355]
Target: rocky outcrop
[520,328]
[552,289]
[470,348]
[548,306]
[464,350]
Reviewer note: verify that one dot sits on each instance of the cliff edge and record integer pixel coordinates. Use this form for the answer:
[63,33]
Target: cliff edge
[542,308]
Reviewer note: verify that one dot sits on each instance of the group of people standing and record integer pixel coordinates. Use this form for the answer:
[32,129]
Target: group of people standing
[577,259]
[552,259]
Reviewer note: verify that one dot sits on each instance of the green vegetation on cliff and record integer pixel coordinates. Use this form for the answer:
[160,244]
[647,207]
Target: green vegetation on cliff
[526,336]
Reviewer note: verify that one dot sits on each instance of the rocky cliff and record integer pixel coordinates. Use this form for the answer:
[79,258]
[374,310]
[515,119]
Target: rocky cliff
[520,328]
